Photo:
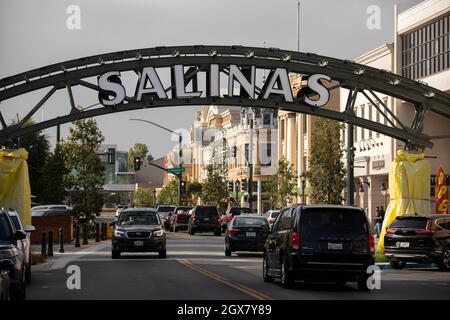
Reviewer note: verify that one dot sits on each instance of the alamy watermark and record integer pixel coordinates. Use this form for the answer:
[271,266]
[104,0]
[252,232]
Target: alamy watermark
[74,280]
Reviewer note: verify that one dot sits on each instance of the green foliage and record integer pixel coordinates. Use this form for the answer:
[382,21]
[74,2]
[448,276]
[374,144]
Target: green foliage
[38,148]
[169,193]
[143,198]
[86,171]
[193,192]
[139,150]
[326,171]
[280,186]
[215,187]
[53,174]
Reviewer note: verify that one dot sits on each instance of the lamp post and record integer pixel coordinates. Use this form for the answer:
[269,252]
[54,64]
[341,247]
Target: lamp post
[384,191]
[180,153]
[303,181]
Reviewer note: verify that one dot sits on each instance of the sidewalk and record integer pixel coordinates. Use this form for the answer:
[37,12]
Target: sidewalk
[71,253]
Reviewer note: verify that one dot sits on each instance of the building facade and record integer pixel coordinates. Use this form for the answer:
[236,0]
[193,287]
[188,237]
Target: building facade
[421,51]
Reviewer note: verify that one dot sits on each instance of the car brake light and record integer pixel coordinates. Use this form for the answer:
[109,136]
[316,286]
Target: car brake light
[295,241]
[193,218]
[371,243]
[233,231]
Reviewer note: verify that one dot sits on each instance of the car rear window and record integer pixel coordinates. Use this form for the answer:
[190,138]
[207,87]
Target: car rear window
[206,211]
[240,210]
[410,223]
[182,210]
[16,222]
[164,211]
[5,229]
[274,215]
[333,221]
[248,221]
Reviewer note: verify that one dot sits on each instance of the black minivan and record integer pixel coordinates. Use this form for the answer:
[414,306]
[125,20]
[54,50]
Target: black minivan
[319,243]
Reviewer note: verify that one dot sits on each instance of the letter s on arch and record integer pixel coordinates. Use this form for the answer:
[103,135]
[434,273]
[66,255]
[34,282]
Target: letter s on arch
[110,84]
[322,91]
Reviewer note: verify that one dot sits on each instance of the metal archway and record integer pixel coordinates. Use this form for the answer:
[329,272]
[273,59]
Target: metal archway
[359,79]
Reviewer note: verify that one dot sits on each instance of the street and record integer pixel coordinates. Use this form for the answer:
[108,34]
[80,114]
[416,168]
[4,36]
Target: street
[197,269]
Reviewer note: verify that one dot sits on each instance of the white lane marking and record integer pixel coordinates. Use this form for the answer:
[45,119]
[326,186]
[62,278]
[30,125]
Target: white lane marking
[155,258]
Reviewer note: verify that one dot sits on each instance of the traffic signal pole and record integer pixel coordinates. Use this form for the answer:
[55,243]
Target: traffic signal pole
[180,176]
[250,165]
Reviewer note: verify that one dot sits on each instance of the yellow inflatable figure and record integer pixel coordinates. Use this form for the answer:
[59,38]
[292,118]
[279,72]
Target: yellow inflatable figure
[409,189]
[15,190]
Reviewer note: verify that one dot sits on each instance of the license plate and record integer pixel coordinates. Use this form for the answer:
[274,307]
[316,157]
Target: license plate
[206,219]
[250,234]
[402,244]
[138,243]
[334,246]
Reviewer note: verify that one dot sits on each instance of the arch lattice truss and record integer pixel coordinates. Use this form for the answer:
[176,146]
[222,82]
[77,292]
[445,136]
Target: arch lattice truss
[239,65]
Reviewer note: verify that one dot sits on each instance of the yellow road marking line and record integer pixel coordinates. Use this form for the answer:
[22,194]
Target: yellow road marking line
[253,293]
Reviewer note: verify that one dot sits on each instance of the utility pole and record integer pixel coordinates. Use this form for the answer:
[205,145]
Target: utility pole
[350,166]
[180,176]
[250,163]
[298,26]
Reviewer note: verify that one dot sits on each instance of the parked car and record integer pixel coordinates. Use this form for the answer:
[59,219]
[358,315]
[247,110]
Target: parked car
[424,239]
[50,212]
[271,216]
[52,206]
[4,285]
[26,243]
[231,212]
[319,242]
[180,218]
[165,212]
[204,219]
[12,255]
[246,233]
[138,230]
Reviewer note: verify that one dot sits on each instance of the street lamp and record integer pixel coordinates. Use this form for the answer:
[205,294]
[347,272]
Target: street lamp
[303,181]
[384,192]
[180,153]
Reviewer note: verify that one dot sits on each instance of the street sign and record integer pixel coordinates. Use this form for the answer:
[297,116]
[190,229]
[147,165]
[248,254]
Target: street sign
[176,170]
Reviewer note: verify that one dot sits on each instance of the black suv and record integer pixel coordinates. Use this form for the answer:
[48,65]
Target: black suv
[205,219]
[138,230]
[12,255]
[319,242]
[423,239]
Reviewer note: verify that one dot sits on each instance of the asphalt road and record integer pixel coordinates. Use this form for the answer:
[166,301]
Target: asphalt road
[196,268]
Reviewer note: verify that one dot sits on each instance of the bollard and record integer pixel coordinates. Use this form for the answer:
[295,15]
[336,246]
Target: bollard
[50,244]
[43,244]
[97,232]
[105,232]
[77,236]
[85,234]
[61,240]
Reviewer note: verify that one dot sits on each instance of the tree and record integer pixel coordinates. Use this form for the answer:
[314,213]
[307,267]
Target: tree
[143,198]
[169,193]
[215,187]
[139,150]
[280,186]
[38,148]
[53,174]
[86,170]
[326,170]
[193,192]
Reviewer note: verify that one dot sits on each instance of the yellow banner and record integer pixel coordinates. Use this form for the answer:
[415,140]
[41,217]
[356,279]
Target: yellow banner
[15,190]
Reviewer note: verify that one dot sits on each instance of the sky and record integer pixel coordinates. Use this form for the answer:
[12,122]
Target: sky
[35,34]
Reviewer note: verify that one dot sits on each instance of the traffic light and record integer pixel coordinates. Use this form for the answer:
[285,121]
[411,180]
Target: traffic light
[183,187]
[244,185]
[137,163]
[111,155]
[230,186]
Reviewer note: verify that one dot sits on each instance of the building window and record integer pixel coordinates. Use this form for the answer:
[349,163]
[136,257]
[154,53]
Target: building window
[266,154]
[378,121]
[426,50]
[363,131]
[266,119]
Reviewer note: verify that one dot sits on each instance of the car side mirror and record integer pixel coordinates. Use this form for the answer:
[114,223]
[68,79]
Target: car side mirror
[6,264]
[29,228]
[20,235]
